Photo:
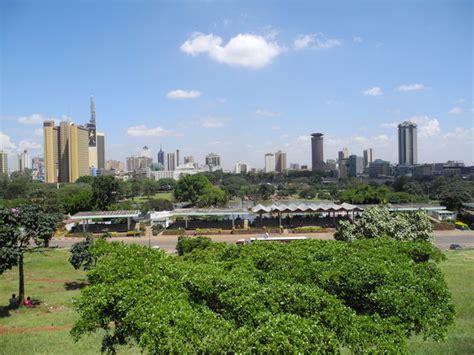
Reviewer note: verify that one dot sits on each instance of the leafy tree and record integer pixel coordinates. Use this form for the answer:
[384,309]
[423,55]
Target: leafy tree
[191,188]
[76,197]
[378,222]
[186,245]
[149,187]
[157,204]
[266,191]
[166,184]
[137,186]
[454,197]
[312,296]
[18,226]
[81,252]
[212,196]
[85,179]
[105,191]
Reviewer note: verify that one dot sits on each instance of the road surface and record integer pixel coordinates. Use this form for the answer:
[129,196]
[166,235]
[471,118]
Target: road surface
[443,239]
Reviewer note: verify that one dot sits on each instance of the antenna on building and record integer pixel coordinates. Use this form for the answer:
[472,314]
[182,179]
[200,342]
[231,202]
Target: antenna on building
[92,108]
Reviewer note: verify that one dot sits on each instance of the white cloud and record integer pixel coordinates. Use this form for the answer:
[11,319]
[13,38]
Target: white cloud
[411,87]
[38,132]
[183,94]
[315,40]
[375,91]
[28,145]
[144,131]
[427,127]
[389,125]
[246,50]
[212,122]
[267,113]
[6,144]
[456,111]
[276,128]
[35,118]
[358,39]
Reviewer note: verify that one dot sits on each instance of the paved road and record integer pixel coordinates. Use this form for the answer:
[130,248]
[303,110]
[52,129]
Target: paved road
[443,239]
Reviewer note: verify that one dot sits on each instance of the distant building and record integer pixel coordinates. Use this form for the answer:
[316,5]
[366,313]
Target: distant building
[24,161]
[241,168]
[304,167]
[379,168]
[294,166]
[423,170]
[100,151]
[317,152]
[135,163]
[177,158]
[355,166]
[114,165]
[3,162]
[331,165]
[170,162]
[146,152]
[189,159]
[161,157]
[176,174]
[280,161]
[342,162]
[37,166]
[407,143]
[367,157]
[269,163]
[213,161]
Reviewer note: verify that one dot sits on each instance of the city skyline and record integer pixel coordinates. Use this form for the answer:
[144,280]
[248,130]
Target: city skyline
[315,69]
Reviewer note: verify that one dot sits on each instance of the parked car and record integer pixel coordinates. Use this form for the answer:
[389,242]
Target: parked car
[455,247]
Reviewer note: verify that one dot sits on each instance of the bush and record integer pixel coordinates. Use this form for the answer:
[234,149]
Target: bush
[308,229]
[310,296]
[156,229]
[177,231]
[133,233]
[201,231]
[188,244]
[461,225]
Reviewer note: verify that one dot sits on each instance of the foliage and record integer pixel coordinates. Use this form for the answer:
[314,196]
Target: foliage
[198,190]
[188,244]
[80,254]
[302,297]
[461,225]
[454,196]
[367,194]
[157,204]
[266,191]
[105,191]
[76,197]
[203,231]
[378,222]
[212,196]
[308,229]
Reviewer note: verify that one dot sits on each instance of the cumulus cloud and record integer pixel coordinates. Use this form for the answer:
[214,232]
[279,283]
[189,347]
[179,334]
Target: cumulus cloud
[456,111]
[6,143]
[28,145]
[389,125]
[183,94]
[38,132]
[411,87]
[315,40]
[375,91]
[212,122]
[245,49]
[427,127]
[35,118]
[144,131]
[267,113]
[357,39]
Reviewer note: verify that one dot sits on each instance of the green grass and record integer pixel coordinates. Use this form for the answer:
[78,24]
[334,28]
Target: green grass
[48,272]
[459,273]
[163,195]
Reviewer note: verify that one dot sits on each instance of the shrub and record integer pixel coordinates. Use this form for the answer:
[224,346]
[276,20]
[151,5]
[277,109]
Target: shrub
[308,229]
[133,233]
[201,231]
[177,231]
[461,225]
[188,244]
[156,229]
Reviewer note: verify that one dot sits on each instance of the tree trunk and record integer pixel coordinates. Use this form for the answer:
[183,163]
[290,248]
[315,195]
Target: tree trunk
[21,293]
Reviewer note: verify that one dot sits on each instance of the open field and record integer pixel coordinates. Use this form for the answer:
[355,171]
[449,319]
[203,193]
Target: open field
[52,280]
[163,195]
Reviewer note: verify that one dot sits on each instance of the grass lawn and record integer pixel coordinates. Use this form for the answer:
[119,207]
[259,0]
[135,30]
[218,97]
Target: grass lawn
[52,280]
[163,195]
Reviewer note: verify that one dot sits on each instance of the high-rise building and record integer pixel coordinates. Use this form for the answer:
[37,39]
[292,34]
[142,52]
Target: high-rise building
[24,161]
[294,166]
[66,151]
[407,143]
[280,161]
[177,157]
[379,168]
[3,162]
[146,152]
[135,163]
[92,133]
[100,151]
[241,168]
[213,161]
[114,164]
[269,163]
[317,152]
[170,162]
[342,157]
[161,157]
[355,166]
[189,159]
[367,157]
[37,165]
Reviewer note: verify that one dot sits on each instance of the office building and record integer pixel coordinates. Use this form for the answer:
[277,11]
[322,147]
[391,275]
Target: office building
[355,166]
[269,163]
[135,163]
[331,165]
[177,157]
[3,162]
[66,151]
[100,151]
[170,162]
[317,152]
[92,135]
[367,157]
[161,157]
[146,152]
[37,166]
[342,162]
[24,161]
[280,161]
[213,161]
[114,165]
[407,143]
[241,168]
[294,166]
[189,159]
[379,168]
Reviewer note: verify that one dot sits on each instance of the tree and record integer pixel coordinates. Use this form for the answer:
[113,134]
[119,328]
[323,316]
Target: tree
[311,296]
[85,179]
[149,187]
[18,227]
[190,188]
[211,197]
[266,191]
[166,184]
[105,191]
[377,222]
[157,204]
[81,252]
[454,197]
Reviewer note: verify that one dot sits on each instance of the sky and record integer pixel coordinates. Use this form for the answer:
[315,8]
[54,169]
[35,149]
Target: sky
[241,79]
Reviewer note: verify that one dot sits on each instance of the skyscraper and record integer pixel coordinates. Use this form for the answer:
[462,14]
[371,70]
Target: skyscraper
[161,157]
[170,161]
[367,157]
[213,161]
[280,161]
[146,152]
[24,161]
[66,151]
[407,144]
[100,151]
[189,159]
[317,152]
[177,157]
[269,163]
[3,162]
[342,162]
[92,134]
[355,166]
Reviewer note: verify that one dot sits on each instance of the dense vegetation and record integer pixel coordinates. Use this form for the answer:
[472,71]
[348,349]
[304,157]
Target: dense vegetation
[302,297]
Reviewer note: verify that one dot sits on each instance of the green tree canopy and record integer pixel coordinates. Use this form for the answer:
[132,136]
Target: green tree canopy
[191,188]
[303,297]
[105,191]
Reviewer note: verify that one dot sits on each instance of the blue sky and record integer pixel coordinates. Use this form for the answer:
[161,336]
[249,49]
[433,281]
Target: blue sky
[241,78]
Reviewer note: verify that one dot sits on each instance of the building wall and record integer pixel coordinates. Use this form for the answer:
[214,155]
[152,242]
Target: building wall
[280,161]
[51,152]
[100,151]
[170,162]
[269,163]
[63,160]
[3,162]
[78,152]
[317,152]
